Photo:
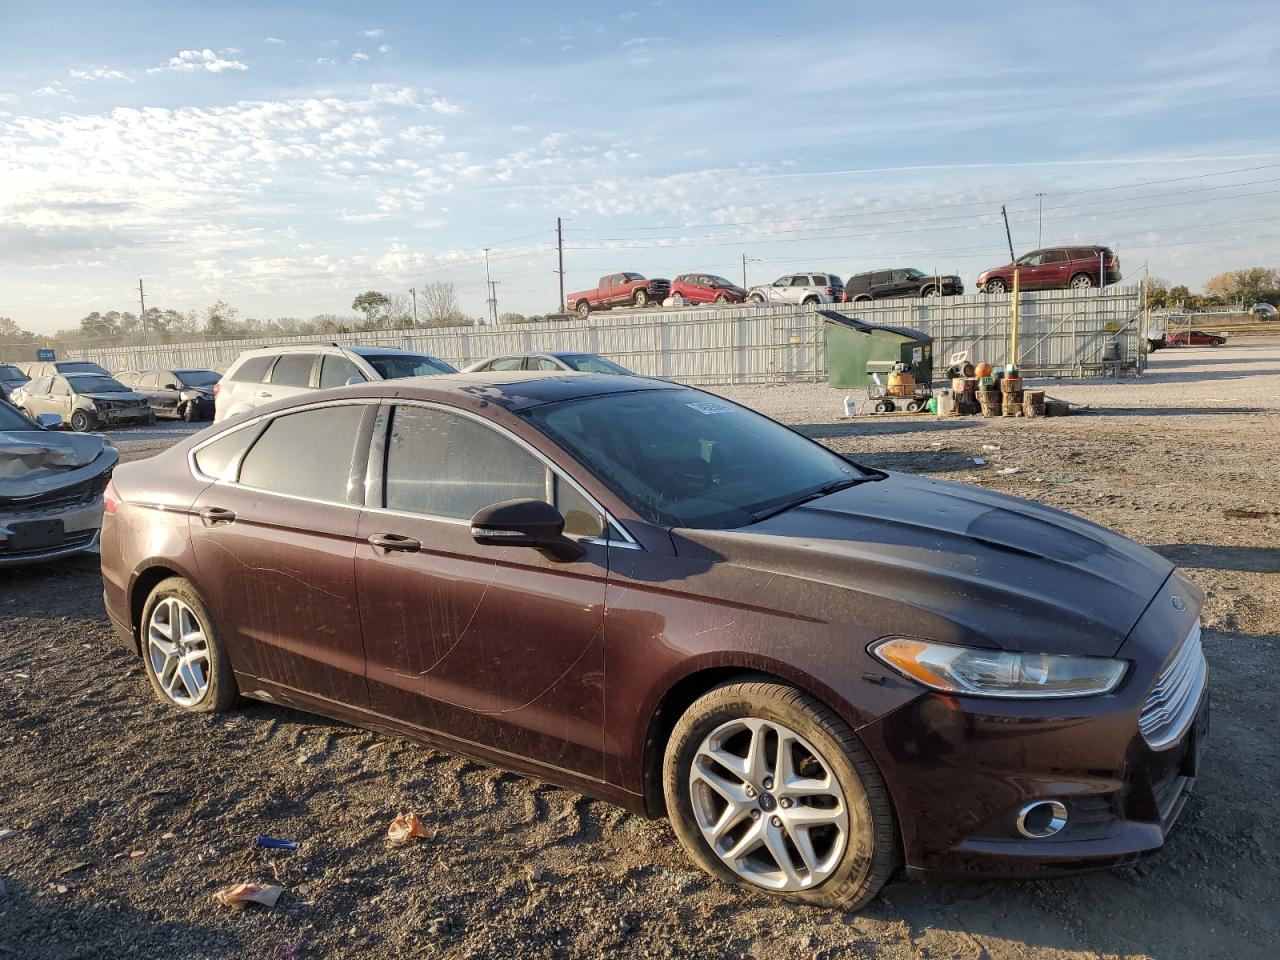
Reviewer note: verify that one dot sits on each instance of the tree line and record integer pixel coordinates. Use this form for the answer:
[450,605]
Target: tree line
[1249,286]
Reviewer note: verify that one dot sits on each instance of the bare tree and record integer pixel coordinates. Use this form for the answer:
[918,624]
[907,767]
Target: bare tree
[438,305]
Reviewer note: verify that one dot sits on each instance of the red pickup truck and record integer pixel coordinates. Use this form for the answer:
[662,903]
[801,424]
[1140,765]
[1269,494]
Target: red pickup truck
[619,290]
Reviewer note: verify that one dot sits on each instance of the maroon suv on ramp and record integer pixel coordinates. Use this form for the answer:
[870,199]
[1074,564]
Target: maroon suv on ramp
[818,671]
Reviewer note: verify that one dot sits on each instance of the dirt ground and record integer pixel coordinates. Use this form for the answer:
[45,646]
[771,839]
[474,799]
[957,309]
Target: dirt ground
[126,817]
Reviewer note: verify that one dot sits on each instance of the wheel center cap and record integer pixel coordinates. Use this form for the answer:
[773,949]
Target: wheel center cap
[767,802]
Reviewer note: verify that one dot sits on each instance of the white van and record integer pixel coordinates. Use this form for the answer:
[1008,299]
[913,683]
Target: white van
[259,376]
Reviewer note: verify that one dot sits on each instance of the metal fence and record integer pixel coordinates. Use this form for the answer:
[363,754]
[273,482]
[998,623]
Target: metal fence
[1061,333]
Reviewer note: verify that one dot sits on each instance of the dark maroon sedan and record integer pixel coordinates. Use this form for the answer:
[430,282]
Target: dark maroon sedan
[818,671]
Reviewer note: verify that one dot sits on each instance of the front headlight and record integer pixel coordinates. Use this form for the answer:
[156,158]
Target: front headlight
[978,672]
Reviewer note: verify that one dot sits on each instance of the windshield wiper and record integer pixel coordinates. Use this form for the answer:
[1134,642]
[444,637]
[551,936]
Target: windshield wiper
[822,491]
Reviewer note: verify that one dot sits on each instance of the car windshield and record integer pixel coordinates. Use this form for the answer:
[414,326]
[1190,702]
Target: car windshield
[11,419]
[197,378]
[590,363]
[85,367]
[86,383]
[8,372]
[396,366]
[688,459]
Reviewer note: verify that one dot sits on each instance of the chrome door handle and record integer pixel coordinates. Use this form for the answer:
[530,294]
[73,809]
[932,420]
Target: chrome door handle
[394,541]
[212,515]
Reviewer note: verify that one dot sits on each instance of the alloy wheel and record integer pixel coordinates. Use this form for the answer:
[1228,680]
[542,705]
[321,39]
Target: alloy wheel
[178,651]
[1082,282]
[769,805]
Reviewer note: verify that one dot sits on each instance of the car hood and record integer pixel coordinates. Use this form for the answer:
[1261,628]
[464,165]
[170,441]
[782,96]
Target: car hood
[126,395]
[990,569]
[33,461]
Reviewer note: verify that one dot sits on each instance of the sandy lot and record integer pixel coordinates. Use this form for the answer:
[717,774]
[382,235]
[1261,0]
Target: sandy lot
[127,816]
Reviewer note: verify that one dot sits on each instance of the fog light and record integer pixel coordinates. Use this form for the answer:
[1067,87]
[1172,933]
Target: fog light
[1042,819]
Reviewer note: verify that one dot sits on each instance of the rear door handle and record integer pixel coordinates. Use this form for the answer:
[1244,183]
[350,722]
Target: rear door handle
[263,393]
[394,541]
[212,515]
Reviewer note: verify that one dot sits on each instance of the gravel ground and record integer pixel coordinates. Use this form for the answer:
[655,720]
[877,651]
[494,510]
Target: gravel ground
[126,817]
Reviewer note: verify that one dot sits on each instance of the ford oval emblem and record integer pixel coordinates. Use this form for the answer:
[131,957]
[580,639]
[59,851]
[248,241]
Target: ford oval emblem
[1178,603]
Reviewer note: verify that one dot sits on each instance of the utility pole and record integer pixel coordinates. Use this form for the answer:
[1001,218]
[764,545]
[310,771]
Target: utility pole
[488,284]
[560,255]
[1040,231]
[143,317]
[745,261]
[1007,234]
[493,300]
[413,291]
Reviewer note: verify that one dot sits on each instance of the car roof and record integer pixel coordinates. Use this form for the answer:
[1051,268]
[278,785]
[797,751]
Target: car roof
[513,390]
[385,351]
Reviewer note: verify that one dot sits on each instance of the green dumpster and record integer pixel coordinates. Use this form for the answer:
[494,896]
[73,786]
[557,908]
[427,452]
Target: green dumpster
[856,350]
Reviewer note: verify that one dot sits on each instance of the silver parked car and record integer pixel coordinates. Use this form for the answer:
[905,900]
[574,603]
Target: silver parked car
[805,289]
[260,376]
[51,487]
[83,401]
[558,360]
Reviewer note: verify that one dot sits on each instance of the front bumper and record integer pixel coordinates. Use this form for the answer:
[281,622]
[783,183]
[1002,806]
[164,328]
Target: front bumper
[961,768]
[79,533]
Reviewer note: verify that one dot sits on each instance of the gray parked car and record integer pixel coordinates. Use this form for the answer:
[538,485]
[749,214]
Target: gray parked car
[10,379]
[559,360]
[51,488]
[801,288]
[185,393]
[84,401]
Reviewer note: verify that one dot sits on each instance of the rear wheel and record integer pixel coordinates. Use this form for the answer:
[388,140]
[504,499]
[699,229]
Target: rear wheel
[640,297]
[770,790]
[996,286]
[885,406]
[81,422]
[184,660]
[1081,281]
[862,298]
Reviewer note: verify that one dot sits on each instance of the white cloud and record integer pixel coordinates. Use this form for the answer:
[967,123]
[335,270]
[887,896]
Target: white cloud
[359,56]
[374,33]
[55,89]
[384,48]
[441,105]
[100,73]
[206,59]
[276,40]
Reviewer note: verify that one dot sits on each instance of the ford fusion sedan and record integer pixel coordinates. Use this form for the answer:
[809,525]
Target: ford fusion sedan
[83,401]
[818,671]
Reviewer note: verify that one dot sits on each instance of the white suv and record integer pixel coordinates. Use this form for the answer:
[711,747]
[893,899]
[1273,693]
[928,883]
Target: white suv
[802,288]
[260,376]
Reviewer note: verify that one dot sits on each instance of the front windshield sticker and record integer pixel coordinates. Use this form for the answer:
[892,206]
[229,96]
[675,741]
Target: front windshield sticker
[709,407]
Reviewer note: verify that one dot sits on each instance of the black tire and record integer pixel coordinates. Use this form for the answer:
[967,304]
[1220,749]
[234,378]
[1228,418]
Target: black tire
[583,308]
[721,299]
[885,406]
[809,302]
[756,298]
[996,286]
[929,292]
[862,298]
[190,412]
[871,854]
[1082,281]
[641,297]
[81,422]
[222,692]
[914,406]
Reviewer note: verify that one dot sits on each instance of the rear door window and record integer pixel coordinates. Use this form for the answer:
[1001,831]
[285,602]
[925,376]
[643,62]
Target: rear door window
[335,371]
[293,369]
[253,370]
[1054,256]
[441,464]
[306,454]
[507,363]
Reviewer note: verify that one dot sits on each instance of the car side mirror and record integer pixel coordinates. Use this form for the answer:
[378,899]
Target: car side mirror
[49,420]
[524,523]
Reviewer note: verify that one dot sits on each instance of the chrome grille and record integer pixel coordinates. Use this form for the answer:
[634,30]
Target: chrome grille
[1173,699]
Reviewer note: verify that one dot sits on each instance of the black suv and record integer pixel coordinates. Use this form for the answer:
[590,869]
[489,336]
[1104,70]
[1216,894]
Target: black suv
[905,282]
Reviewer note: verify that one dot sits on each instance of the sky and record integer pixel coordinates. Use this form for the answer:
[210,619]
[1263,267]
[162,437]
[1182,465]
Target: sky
[286,156]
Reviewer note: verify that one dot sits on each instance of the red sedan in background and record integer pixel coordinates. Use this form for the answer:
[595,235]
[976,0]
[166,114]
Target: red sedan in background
[1196,338]
[707,288]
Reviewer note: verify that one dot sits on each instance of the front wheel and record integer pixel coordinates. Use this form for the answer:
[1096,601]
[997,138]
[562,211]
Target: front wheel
[770,790]
[584,309]
[996,286]
[721,299]
[81,422]
[641,297]
[191,412]
[756,298]
[809,301]
[185,661]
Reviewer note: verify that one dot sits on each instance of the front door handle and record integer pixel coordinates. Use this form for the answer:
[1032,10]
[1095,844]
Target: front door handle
[263,393]
[394,541]
[212,515]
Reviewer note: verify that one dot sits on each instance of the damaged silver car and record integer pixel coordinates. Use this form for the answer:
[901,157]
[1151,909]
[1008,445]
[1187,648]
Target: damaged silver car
[51,487]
